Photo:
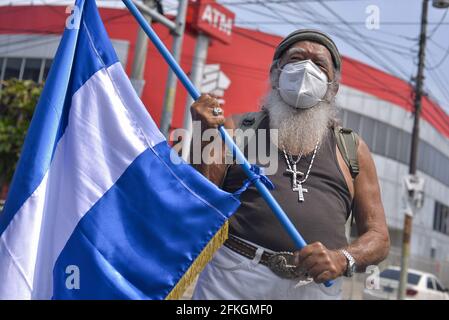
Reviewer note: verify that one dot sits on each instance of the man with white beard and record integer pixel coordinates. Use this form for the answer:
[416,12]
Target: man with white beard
[314,183]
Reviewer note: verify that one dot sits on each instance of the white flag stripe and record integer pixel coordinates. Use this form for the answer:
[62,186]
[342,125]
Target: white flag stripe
[100,142]
[21,251]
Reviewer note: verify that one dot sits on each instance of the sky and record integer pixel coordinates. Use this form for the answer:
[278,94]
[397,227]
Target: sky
[391,46]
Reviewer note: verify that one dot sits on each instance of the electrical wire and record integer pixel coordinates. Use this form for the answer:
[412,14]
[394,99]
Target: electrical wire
[381,56]
[439,63]
[432,32]
[382,85]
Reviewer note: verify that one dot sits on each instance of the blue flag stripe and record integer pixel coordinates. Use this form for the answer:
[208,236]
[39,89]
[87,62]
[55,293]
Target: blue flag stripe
[96,188]
[150,228]
[66,76]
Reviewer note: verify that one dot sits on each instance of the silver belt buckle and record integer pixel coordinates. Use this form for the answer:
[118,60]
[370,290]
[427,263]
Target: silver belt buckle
[283,265]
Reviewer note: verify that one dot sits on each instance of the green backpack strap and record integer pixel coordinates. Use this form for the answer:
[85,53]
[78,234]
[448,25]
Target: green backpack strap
[348,143]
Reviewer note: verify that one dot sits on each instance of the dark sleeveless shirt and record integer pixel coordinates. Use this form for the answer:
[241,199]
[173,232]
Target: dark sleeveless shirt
[321,217]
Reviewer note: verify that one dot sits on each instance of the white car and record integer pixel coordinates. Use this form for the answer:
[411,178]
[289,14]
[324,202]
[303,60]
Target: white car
[420,286]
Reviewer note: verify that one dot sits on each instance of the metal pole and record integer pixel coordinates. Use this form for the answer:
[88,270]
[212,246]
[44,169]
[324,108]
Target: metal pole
[170,90]
[408,218]
[199,61]
[140,55]
[240,158]
[155,16]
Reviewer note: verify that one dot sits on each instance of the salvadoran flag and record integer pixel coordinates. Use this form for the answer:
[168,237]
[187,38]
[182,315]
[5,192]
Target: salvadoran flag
[97,209]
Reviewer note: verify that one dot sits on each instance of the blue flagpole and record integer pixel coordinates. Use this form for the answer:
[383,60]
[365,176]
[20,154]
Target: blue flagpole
[240,158]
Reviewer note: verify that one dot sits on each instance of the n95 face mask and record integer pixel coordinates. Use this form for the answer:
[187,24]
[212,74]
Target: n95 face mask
[302,84]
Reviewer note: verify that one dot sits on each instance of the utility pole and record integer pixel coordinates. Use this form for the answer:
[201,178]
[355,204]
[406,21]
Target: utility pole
[140,54]
[199,61]
[408,219]
[413,178]
[170,90]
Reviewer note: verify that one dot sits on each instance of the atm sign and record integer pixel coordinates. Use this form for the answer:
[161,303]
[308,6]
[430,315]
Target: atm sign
[213,19]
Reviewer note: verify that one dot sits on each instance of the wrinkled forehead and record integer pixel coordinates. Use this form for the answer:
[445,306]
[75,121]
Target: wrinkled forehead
[308,49]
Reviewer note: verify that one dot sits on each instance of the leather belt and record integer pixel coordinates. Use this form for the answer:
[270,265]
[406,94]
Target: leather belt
[246,249]
[281,263]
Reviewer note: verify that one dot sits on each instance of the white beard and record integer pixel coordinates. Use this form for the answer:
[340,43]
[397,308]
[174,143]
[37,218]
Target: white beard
[299,130]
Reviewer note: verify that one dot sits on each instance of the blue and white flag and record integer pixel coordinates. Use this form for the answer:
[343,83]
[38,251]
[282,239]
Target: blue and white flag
[96,209]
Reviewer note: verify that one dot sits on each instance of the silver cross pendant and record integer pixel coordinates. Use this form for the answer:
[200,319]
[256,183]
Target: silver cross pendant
[295,175]
[301,192]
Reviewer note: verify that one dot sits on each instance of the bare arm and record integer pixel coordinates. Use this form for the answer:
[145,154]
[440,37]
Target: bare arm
[201,110]
[373,243]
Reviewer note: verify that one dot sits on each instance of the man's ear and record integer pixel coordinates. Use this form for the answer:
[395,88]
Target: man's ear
[335,88]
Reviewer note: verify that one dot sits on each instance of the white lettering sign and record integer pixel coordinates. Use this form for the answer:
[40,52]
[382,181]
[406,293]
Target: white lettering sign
[217,19]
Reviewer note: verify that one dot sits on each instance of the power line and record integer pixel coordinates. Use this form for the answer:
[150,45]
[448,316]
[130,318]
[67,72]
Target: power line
[440,80]
[279,1]
[254,38]
[354,23]
[439,63]
[437,44]
[377,85]
[268,15]
[382,87]
[432,32]
[381,57]
[344,36]
[355,43]
[387,45]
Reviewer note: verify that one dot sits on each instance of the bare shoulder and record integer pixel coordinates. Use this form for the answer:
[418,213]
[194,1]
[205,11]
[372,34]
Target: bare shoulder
[367,187]
[366,161]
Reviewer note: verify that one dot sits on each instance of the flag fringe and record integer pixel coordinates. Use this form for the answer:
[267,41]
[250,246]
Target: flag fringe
[200,262]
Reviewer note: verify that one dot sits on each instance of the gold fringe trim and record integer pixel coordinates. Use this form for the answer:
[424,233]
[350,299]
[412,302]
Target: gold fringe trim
[200,262]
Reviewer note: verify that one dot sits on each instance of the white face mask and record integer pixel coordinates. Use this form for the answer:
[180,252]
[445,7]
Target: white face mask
[302,84]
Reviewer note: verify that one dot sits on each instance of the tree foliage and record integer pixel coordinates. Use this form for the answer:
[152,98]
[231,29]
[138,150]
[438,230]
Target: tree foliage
[17,101]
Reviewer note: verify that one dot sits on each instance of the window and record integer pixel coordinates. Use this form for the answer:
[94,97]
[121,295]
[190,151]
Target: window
[393,274]
[430,284]
[426,157]
[436,216]
[436,160]
[32,69]
[439,286]
[1,67]
[2,70]
[441,218]
[444,163]
[353,121]
[381,139]
[433,253]
[393,143]
[24,68]
[47,65]
[420,156]
[13,68]
[404,148]
[342,115]
[367,133]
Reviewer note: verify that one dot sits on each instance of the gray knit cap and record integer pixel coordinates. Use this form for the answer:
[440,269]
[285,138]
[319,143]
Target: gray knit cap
[309,35]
